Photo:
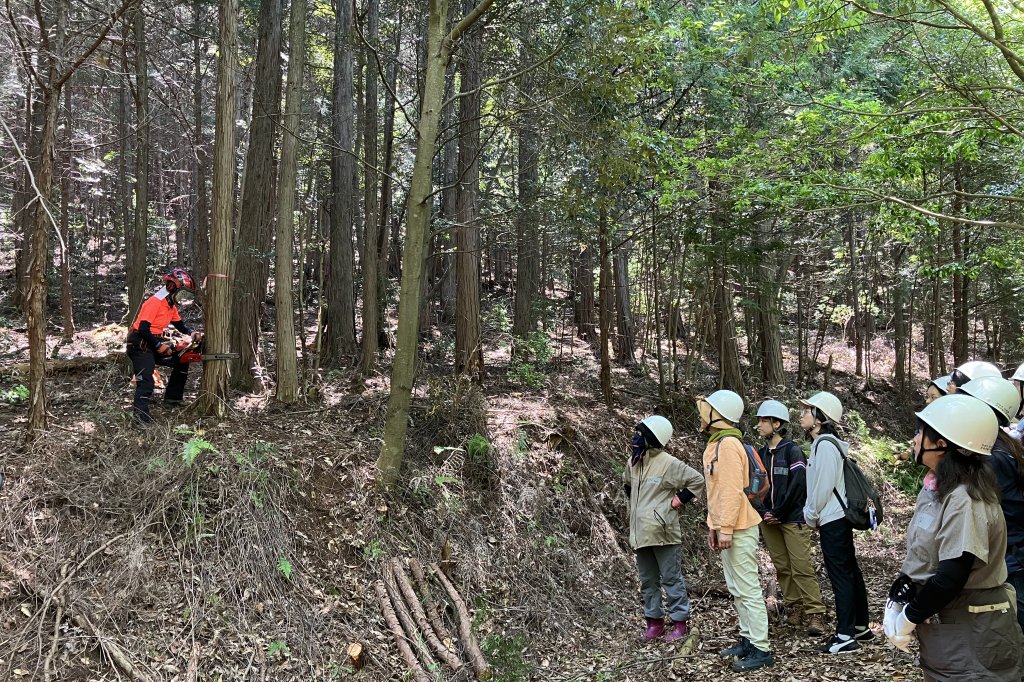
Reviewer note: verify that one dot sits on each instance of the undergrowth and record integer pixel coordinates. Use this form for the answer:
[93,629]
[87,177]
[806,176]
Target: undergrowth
[880,457]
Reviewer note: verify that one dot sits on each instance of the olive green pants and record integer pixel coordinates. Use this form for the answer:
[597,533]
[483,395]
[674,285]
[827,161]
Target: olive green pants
[789,545]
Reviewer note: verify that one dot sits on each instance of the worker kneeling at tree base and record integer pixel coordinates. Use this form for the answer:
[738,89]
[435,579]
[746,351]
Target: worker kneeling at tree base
[146,348]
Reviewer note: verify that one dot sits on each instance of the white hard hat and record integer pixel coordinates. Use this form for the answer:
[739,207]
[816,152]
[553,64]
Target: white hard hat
[728,404]
[942,383]
[827,403]
[774,410]
[657,428]
[964,421]
[975,369]
[997,393]
[1019,374]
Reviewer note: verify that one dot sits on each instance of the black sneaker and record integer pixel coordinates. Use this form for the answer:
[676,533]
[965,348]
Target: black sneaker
[754,659]
[737,650]
[840,644]
[863,634]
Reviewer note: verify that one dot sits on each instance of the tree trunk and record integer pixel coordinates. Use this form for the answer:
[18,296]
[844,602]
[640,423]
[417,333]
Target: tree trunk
[527,242]
[287,365]
[583,293]
[403,373]
[605,305]
[21,217]
[340,337]
[730,376]
[960,283]
[854,292]
[625,337]
[372,284]
[137,253]
[37,266]
[200,236]
[213,391]
[66,251]
[469,354]
[256,214]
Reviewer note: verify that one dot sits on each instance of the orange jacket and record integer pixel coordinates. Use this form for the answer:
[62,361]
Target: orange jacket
[729,509]
[159,312]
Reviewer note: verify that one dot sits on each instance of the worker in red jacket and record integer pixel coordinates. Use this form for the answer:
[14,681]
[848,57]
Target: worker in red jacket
[146,348]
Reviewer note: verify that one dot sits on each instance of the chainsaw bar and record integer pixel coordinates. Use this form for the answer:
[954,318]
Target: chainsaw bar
[219,356]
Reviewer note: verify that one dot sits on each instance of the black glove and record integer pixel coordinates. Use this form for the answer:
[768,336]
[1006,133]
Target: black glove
[903,590]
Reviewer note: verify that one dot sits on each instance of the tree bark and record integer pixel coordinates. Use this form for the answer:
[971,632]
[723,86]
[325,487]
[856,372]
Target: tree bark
[417,236]
[583,293]
[605,304]
[730,376]
[137,253]
[66,252]
[256,214]
[469,354]
[200,235]
[625,336]
[287,363]
[372,281]
[340,337]
[39,255]
[527,242]
[213,390]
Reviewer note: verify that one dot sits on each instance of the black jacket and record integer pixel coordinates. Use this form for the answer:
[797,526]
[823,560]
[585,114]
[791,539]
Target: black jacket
[1011,485]
[787,474]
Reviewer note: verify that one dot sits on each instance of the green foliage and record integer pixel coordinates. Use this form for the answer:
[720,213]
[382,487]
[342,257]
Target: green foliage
[478,449]
[15,395]
[882,454]
[528,356]
[278,649]
[194,447]
[285,567]
[505,656]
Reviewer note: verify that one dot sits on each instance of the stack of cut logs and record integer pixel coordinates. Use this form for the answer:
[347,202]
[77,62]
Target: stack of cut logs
[414,618]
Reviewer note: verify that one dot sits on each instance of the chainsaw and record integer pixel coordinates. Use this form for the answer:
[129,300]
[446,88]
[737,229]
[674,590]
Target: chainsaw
[191,351]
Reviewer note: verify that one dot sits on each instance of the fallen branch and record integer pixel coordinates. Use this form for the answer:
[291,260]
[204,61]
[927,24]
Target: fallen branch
[476,657]
[428,598]
[112,650]
[396,629]
[70,365]
[402,611]
[420,615]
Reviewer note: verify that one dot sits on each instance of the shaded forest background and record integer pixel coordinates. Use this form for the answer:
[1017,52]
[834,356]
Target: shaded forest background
[460,249]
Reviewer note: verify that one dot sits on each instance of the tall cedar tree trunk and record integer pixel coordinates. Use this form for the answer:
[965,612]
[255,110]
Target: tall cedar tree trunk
[443,261]
[213,391]
[625,336]
[372,284]
[67,251]
[960,283]
[604,307]
[287,364]
[854,291]
[771,274]
[527,239]
[340,335]
[199,239]
[37,266]
[28,218]
[256,214]
[469,353]
[583,293]
[403,373]
[137,254]
[390,107]
[730,375]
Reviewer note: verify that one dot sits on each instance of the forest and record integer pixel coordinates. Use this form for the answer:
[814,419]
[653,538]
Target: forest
[596,210]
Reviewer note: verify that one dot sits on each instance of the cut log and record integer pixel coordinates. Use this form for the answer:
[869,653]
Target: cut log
[469,644]
[60,366]
[428,599]
[355,655]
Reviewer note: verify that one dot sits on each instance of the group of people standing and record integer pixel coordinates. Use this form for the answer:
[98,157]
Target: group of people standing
[961,586]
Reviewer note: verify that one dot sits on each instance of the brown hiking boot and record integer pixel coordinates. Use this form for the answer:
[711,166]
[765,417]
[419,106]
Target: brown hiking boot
[815,625]
[795,618]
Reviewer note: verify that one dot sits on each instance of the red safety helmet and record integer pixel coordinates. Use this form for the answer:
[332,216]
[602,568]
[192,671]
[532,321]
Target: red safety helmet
[179,278]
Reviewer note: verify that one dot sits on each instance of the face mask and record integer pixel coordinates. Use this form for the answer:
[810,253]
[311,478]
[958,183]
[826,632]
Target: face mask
[638,448]
[919,455]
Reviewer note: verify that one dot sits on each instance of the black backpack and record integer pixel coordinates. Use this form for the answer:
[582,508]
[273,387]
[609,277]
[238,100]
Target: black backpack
[863,506]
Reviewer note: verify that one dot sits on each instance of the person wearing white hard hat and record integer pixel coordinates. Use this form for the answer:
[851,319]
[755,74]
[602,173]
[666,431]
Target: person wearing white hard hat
[951,592]
[657,486]
[1007,463]
[732,526]
[824,510]
[974,369]
[785,535]
[936,389]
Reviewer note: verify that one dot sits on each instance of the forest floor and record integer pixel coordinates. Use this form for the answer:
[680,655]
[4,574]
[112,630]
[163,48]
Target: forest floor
[248,547]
